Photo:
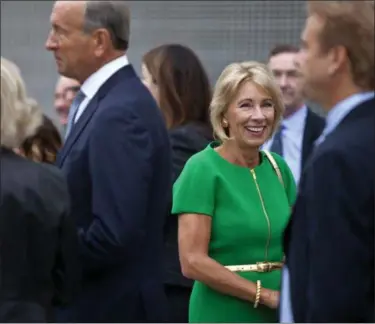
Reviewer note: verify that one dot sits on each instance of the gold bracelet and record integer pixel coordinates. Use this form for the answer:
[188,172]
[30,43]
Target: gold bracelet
[257,295]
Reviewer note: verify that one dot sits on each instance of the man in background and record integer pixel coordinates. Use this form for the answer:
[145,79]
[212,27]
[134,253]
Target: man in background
[301,126]
[65,91]
[329,242]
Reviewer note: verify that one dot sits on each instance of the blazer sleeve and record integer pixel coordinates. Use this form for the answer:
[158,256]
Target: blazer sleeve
[180,152]
[66,272]
[339,258]
[186,141]
[120,165]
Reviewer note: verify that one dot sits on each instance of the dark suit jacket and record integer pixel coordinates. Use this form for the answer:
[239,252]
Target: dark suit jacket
[329,242]
[185,140]
[118,165]
[313,128]
[38,242]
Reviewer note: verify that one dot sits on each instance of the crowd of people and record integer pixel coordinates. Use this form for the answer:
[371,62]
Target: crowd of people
[165,201]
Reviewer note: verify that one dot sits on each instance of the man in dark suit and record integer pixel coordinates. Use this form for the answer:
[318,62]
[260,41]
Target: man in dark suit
[300,126]
[117,161]
[329,242]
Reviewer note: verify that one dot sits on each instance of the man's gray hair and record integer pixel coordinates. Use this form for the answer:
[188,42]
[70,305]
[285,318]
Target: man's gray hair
[114,16]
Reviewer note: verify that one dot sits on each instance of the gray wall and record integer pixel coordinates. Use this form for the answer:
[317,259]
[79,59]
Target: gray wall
[220,33]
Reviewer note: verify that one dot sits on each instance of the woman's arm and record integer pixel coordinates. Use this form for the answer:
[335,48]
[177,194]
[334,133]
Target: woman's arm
[194,232]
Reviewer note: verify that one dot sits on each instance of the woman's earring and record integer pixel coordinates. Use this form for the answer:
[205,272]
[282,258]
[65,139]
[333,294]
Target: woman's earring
[225,123]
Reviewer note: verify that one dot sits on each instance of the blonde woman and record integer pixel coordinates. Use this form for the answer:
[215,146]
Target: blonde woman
[37,238]
[41,139]
[19,118]
[233,202]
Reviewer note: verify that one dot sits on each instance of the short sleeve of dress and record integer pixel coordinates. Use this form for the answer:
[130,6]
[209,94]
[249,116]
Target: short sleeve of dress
[194,190]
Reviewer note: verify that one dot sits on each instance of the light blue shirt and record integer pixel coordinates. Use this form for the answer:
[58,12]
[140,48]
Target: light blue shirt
[292,140]
[338,113]
[334,117]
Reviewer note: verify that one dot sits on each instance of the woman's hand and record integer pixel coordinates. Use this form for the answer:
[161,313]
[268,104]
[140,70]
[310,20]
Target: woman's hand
[270,298]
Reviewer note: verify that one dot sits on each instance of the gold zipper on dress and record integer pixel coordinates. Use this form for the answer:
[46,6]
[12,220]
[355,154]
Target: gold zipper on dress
[265,213]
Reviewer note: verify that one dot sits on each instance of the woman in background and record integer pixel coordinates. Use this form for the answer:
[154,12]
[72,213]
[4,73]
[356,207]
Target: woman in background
[176,78]
[44,145]
[38,243]
[233,202]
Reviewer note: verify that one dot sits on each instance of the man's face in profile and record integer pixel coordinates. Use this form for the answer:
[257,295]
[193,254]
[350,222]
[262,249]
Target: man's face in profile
[313,62]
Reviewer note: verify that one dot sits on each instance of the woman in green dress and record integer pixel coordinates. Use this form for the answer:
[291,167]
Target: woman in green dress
[233,202]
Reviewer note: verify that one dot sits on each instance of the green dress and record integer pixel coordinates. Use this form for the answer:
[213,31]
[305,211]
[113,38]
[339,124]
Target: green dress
[227,193]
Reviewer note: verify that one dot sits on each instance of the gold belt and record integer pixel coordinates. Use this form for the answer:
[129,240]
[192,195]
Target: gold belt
[258,267]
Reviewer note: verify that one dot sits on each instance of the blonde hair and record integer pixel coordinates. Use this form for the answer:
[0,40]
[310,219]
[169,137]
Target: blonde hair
[20,116]
[349,24]
[228,85]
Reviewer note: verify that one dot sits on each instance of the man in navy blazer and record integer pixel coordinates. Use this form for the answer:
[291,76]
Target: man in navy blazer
[117,162]
[329,242]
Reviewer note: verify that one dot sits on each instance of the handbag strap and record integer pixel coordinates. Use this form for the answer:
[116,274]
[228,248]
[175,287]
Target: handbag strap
[275,166]
[279,175]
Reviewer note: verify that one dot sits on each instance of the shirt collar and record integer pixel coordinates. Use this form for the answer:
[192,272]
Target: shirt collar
[296,121]
[341,110]
[91,86]
[344,107]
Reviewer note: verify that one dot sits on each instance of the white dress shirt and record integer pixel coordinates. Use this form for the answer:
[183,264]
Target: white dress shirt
[292,140]
[334,117]
[91,86]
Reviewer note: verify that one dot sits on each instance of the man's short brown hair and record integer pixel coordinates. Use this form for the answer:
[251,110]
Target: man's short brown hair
[283,48]
[349,24]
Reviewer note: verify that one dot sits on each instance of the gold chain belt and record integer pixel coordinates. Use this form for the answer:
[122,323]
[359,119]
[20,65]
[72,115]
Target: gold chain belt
[258,267]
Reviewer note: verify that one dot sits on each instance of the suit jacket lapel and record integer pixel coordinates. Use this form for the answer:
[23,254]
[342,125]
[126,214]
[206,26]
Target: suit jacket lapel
[313,128]
[79,126]
[307,138]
